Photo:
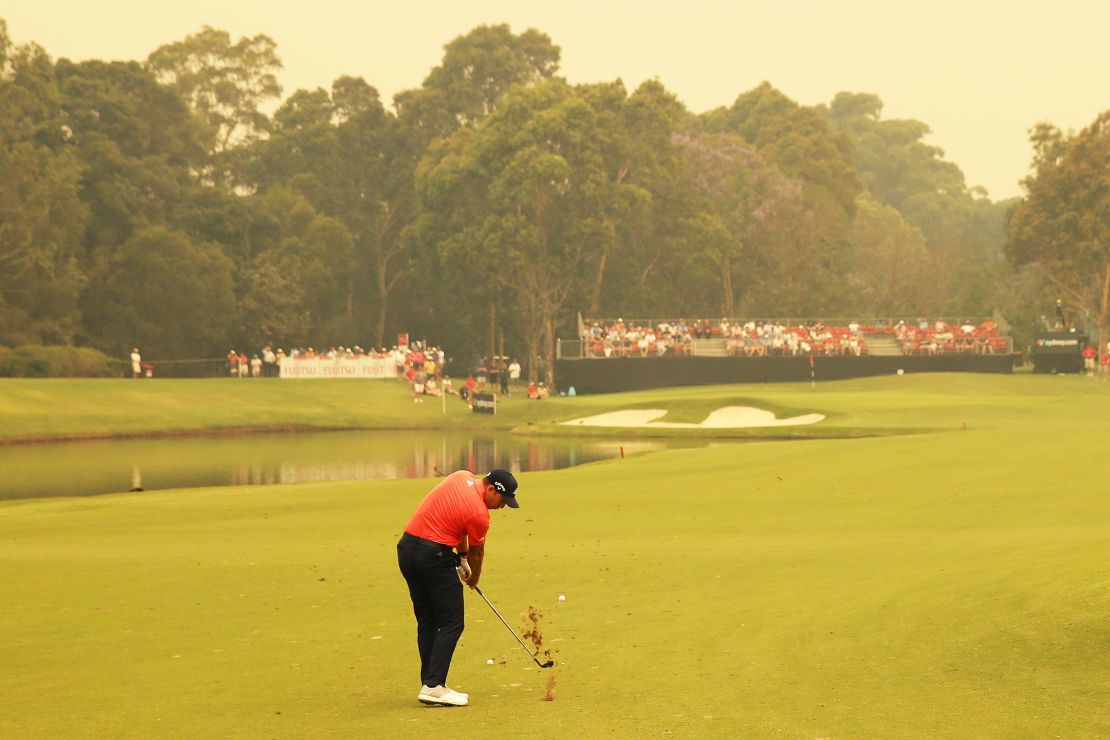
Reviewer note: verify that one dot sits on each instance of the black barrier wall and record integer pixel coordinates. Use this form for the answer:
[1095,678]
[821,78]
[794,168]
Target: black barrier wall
[611,375]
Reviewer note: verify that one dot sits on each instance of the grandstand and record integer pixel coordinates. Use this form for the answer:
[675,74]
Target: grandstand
[624,354]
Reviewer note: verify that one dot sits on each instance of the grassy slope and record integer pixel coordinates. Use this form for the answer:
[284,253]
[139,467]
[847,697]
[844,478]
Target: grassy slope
[61,408]
[948,584]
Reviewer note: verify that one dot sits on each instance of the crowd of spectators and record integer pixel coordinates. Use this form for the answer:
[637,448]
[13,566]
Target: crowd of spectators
[267,362]
[418,365]
[764,338]
[931,338]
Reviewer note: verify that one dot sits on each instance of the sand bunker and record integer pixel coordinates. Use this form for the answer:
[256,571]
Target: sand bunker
[723,418]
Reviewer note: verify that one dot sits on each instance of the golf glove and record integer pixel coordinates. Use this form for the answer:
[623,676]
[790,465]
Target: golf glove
[464,570]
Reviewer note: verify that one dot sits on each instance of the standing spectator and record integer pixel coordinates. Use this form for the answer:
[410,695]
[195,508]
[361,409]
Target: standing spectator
[1089,354]
[269,362]
[136,363]
[514,372]
[233,363]
[483,374]
[244,364]
[503,376]
[256,366]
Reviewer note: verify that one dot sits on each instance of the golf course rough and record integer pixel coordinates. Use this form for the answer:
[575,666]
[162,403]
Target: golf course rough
[953,583]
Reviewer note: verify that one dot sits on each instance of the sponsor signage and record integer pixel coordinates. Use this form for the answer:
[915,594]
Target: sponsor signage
[484,403]
[1058,352]
[1059,343]
[339,367]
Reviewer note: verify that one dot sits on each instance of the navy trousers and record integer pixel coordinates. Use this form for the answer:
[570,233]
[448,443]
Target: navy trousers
[437,602]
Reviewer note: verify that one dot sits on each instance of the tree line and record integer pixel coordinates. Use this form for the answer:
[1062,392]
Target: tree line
[155,203]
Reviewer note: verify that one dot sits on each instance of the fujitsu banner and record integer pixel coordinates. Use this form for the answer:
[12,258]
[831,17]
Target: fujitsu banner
[340,367]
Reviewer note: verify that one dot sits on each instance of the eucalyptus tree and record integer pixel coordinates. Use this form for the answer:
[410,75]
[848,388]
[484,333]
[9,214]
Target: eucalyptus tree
[477,70]
[349,157]
[480,67]
[523,202]
[226,83]
[1062,225]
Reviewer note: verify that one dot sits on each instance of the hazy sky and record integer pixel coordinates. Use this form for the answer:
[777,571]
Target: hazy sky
[978,72]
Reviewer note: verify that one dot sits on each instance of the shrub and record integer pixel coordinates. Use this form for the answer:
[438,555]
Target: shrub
[34,361]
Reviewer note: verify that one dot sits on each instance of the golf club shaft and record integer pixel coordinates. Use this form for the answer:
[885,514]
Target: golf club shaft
[508,626]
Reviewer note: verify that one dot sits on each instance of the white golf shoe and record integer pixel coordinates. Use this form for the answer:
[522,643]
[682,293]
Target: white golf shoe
[442,696]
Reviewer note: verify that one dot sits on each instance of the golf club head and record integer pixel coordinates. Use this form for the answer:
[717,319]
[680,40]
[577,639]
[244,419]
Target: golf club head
[547,664]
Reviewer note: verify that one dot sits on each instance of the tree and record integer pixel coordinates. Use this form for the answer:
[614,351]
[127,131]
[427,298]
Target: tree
[317,252]
[797,139]
[272,302]
[962,228]
[41,215]
[1062,224]
[480,68]
[523,201]
[163,292]
[890,266]
[226,83]
[139,141]
[353,161]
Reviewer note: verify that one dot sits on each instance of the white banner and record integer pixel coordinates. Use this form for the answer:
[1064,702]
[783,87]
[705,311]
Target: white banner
[340,367]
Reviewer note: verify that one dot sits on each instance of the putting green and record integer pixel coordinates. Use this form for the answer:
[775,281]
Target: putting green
[949,584]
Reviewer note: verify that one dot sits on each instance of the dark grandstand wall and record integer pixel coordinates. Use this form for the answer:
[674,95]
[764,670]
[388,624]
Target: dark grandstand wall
[638,373]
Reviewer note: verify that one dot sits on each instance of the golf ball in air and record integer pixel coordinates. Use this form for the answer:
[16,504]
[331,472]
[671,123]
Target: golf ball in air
[562,597]
[489,662]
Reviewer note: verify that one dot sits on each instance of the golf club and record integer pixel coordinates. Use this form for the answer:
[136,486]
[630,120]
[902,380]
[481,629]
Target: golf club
[546,664]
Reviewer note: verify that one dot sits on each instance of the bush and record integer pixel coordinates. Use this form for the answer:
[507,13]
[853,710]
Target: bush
[34,361]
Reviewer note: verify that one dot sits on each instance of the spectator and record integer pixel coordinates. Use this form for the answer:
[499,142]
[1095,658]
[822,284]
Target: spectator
[1089,354]
[256,366]
[136,363]
[269,363]
[244,364]
[514,372]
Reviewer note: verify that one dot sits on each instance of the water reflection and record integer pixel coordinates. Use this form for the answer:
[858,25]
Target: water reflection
[90,468]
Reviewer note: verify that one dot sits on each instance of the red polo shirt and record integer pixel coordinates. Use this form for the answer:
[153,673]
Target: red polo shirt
[452,509]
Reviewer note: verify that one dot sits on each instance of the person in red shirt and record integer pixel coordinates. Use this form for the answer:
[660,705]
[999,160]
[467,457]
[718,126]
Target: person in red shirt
[448,531]
[1090,354]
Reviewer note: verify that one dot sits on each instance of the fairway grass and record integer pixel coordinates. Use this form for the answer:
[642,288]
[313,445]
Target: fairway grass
[948,584]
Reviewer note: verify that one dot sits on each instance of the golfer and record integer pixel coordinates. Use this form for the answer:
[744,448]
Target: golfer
[448,531]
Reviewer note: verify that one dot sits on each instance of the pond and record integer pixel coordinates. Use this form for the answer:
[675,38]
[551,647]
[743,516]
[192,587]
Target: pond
[111,466]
